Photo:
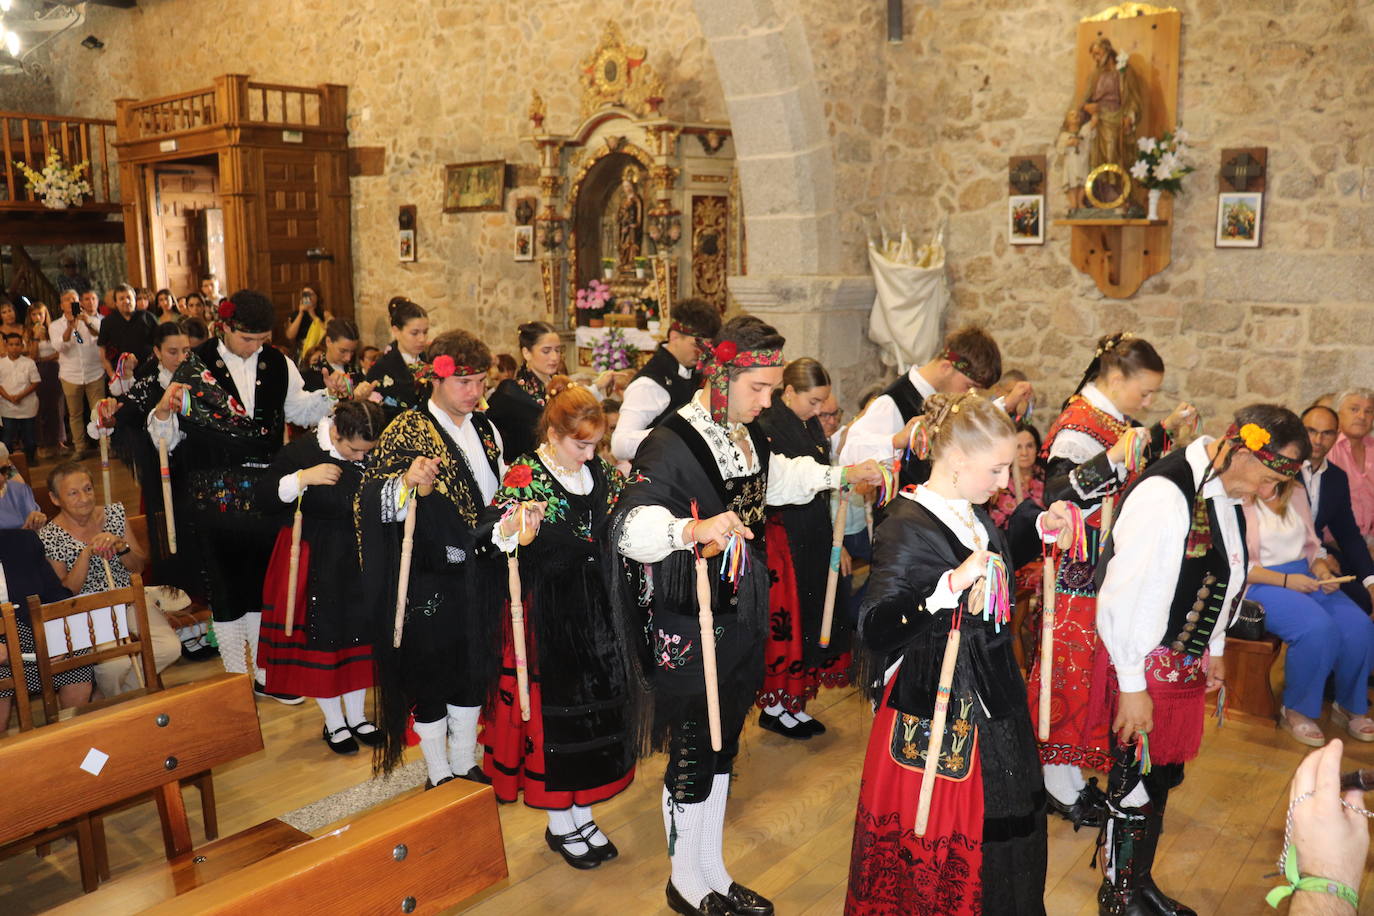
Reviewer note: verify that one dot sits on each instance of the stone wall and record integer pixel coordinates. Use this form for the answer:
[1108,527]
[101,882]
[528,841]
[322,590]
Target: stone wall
[921,134]
[436,82]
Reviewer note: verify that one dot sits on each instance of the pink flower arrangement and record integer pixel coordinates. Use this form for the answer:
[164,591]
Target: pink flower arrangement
[594,296]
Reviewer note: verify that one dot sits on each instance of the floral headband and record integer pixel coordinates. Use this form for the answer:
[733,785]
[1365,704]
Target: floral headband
[716,363]
[444,366]
[682,329]
[1256,439]
[961,363]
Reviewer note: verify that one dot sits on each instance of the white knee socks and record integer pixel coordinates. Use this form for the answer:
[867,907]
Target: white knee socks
[1063,781]
[354,703]
[684,826]
[433,744]
[711,852]
[562,823]
[333,713]
[229,636]
[462,738]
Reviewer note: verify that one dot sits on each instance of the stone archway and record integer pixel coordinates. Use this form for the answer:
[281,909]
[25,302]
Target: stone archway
[787,181]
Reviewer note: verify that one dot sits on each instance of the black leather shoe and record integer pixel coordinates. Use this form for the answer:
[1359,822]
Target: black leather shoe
[744,902]
[774,724]
[476,775]
[1162,903]
[286,699]
[1088,810]
[586,860]
[813,725]
[430,785]
[374,738]
[712,904]
[606,851]
[345,745]
[197,650]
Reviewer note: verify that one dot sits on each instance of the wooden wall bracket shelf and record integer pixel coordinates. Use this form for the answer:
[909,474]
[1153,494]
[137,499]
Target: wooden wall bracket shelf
[1120,254]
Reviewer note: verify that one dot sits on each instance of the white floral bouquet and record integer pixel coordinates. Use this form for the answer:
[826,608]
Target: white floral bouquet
[613,352]
[60,186]
[1162,163]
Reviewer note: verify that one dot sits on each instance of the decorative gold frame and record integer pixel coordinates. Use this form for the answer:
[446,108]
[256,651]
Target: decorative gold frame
[636,152]
[1092,179]
[1128,11]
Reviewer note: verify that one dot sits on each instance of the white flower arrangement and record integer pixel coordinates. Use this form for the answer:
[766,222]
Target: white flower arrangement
[1162,162]
[1121,58]
[58,185]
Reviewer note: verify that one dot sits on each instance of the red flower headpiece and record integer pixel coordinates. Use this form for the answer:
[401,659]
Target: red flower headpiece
[444,366]
[226,309]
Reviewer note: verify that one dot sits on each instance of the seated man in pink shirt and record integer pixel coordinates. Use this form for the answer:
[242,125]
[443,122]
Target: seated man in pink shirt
[1354,454]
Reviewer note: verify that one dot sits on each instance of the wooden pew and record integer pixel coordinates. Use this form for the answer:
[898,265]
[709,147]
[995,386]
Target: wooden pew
[435,848]
[151,741]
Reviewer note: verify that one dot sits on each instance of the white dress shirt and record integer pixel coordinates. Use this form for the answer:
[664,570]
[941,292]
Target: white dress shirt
[289,487]
[78,361]
[303,408]
[1312,480]
[471,443]
[870,435]
[1150,533]
[644,400]
[651,533]
[1282,538]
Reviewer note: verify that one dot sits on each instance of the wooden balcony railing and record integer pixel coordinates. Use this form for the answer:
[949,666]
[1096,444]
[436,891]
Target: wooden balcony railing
[28,137]
[236,100]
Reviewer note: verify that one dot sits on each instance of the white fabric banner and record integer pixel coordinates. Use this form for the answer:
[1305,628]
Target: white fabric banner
[905,321]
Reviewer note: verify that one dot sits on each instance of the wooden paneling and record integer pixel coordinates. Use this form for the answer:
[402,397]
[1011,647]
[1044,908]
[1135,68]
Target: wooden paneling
[181,194]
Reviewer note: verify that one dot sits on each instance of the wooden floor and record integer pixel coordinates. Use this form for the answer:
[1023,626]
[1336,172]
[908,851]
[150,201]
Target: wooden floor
[789,825]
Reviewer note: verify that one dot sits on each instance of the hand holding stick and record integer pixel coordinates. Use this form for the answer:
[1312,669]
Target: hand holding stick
[517,634]
[937,721]
[832,579]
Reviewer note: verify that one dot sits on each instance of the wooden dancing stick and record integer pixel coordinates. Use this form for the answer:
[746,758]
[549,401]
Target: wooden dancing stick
[707,622]
[1046,647]
[166,474]
[517,636]
[109,579]
[105,462]
[832,580]
[403,580]
[1020,487]
[937,721]
[293,574]
[1104,520]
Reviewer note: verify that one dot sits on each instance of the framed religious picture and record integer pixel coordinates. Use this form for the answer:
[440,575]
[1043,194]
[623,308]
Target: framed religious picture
[1026,219]
[1239,219]
[406,243]
[475,186]
[524,243]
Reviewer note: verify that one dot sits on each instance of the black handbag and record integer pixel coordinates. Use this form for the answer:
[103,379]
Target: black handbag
[1249,622]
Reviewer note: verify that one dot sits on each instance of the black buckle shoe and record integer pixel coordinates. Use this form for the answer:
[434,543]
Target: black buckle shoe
[712,904]
[744,902]
[558,843]
[1088,810]
[607,851]
[374,738]
[798,732]
[345,746]
[286,699]
[430,785]
[813,725]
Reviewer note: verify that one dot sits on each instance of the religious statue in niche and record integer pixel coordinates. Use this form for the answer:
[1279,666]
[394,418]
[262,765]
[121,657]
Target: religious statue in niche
[1115,102]
[629,219]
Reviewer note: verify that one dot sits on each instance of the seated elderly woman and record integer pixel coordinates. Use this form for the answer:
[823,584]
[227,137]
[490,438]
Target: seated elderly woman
[1326,632]
[89,546]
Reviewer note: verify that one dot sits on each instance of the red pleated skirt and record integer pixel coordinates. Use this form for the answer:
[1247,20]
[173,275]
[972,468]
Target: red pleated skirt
[893,872]
[788,681]
[292,664]
[1077,737]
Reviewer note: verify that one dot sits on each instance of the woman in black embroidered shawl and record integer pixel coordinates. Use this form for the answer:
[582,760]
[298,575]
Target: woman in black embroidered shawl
[399,374]
[709,459]
[328,655]
[446,666]
[517,403]
[984,848]
[574,751]
[798,538]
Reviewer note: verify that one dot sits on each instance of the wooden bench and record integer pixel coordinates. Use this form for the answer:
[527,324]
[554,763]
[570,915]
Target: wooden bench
[434,849]
[1249,690]
[151,741]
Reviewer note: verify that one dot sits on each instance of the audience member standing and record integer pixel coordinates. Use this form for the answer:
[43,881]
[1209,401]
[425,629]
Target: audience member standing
[51,407]
[79,366]
[19,381]
[1352,453]
[125,330]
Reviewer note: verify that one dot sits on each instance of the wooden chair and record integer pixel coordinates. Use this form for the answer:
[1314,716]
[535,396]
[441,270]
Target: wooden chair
[1026,611]
[148,741]
[79,830]
[1249,688]
[424,852]
[135,602]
